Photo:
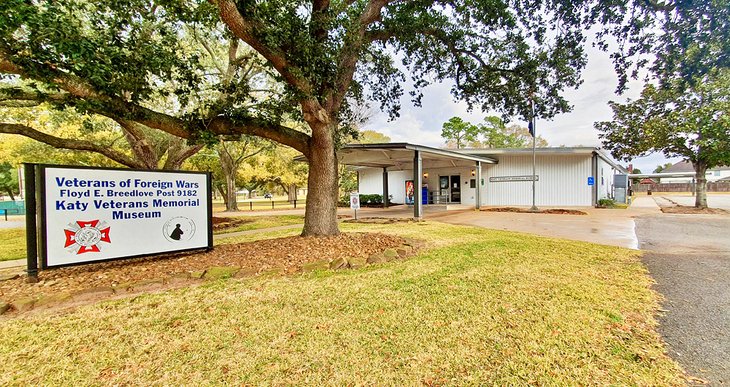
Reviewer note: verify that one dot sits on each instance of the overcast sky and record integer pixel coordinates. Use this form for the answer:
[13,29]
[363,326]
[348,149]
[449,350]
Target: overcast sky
[590,104]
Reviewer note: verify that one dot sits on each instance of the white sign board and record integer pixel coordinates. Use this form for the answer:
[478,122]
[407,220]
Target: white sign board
[100,214]
[502,179]
[355,201]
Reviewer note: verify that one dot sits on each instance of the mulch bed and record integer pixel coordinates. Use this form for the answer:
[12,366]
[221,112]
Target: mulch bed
[285,255]
[555,211]
[692,210]
[380,220]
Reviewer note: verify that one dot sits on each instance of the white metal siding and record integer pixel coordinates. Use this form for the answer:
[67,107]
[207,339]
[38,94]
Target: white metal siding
[604,180]
[371,182]
[563,181]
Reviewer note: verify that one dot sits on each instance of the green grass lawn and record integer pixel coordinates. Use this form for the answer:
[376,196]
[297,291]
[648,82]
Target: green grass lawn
[259,222]
[12,244]
[478,307]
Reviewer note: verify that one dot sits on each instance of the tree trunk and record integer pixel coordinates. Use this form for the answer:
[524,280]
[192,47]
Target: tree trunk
[229,172]
[321,210]
[222,191]
[292,192]
[10,193]
[701,184]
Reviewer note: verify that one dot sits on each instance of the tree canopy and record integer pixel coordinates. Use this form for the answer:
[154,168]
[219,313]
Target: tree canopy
[135,60]
[492,133]
[660,168]
[678,121]
[459,132]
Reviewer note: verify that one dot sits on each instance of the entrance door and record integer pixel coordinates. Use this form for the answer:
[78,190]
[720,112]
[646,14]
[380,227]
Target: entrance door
[443,196]
[455,189]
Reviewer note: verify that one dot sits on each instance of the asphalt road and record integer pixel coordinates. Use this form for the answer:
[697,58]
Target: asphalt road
[689,257]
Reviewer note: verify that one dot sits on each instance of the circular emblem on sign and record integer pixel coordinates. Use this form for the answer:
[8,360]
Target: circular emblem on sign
[88,236]
[179,229]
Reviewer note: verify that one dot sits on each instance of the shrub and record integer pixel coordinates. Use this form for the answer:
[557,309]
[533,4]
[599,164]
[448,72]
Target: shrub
[365,199]
[606,203]
[371,199]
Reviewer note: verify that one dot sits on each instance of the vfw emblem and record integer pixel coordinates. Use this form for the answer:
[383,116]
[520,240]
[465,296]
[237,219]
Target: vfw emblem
[85,236]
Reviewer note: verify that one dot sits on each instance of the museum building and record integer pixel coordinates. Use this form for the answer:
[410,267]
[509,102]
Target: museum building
[565,176]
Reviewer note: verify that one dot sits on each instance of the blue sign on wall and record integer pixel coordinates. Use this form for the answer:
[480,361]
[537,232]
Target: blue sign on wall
[591,180]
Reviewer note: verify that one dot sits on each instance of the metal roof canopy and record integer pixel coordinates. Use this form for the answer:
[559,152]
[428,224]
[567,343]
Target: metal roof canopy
[399,156]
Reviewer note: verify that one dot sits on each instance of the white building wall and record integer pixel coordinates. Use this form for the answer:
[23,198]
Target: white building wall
[563,181]
[604,180]
[371,182]
[468,194]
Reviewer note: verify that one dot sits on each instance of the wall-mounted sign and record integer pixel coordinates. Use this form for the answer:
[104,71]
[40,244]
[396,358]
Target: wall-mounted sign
[90,214]
[591,180]
[502,179]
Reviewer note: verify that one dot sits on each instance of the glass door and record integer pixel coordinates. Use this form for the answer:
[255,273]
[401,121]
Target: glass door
[455,189]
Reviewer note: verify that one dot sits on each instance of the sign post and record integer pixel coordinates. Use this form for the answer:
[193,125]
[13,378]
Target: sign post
[99,214]
[355,202]
[31,225]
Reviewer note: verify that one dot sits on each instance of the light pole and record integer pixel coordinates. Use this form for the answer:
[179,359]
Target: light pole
[532,131]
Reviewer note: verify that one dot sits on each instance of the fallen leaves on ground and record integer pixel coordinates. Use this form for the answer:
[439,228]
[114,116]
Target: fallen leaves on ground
[285,254]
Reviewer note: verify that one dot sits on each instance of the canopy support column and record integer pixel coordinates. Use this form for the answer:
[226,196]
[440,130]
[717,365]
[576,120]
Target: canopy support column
[385,188]
[478,195]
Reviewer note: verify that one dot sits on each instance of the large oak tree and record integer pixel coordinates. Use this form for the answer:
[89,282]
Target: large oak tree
[692,122]
[116,58]
[685,111]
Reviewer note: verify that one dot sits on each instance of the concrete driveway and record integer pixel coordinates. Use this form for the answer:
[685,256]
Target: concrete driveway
[604,226]
[689,257]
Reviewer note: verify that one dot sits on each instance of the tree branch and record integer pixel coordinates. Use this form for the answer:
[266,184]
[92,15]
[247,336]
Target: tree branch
[244,30]
[118,108]
[279,133]
[67,143]
[351,53]
[141,147]
[319,8]
[178,153]
[213,57]
[114,107]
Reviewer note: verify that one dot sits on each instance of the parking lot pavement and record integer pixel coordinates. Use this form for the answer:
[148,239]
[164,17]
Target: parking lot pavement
[689,257]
